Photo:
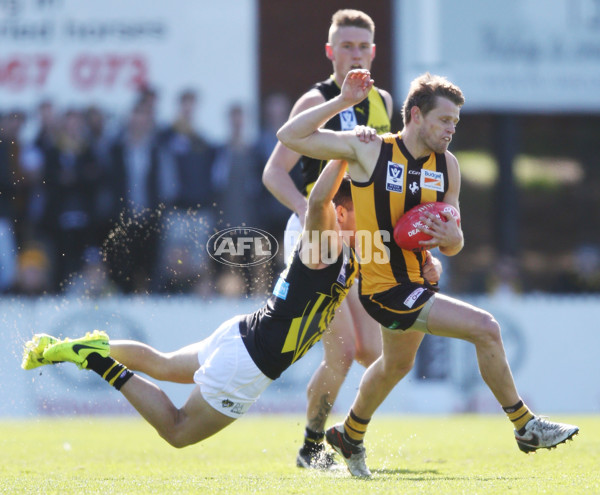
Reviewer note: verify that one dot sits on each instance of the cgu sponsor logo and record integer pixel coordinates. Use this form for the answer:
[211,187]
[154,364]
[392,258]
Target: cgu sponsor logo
[242,246]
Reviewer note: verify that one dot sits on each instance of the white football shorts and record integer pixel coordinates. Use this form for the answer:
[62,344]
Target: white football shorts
[228,378]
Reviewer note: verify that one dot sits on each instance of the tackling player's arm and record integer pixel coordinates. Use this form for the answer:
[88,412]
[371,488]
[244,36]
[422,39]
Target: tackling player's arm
[321,215]
[276,175]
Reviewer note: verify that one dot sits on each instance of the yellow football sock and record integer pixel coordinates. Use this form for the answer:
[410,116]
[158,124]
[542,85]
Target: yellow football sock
[519,414]
[355,427]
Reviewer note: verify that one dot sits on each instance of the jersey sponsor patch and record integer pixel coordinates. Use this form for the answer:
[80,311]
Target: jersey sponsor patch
[410,301]
[341,279]
[281,289]
[431,179]
[395,177]
[348,119]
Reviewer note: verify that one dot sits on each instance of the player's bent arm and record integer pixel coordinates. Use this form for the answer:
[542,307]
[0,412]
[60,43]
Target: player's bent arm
[276,174]
[276,178]
[321,215]
[451,197]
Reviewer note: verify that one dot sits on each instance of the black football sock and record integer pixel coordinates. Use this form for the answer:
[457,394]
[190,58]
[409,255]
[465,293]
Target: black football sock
[115,373]
[312,438]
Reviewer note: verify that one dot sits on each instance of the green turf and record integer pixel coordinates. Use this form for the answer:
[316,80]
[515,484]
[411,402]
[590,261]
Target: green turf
[433,455]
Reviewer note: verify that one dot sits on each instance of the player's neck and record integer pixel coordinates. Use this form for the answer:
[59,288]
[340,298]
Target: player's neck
[339,80]
[415,146]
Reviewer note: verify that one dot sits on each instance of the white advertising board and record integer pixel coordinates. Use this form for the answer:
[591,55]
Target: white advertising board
[514,55]
[551,342]
[82,52]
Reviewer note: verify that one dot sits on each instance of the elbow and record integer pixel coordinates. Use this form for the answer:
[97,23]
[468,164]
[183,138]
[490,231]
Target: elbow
[282,135]
[453,249]
[266,177]
[287,139]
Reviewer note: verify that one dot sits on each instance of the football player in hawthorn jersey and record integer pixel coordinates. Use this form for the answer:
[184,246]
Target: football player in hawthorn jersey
[354,335]
[390,174]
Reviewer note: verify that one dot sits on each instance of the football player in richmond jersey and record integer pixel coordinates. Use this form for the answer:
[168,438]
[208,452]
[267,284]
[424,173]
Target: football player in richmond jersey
[233,366]
[395,293]
[354,335]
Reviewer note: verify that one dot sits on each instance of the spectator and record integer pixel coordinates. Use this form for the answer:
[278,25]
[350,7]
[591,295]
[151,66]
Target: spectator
[70,173]
[106,202]
[13,196]
[236,179]
[273,215]
[583,274]
[48,130]
[186,170]
[131,248]
[34,275]
[188,157]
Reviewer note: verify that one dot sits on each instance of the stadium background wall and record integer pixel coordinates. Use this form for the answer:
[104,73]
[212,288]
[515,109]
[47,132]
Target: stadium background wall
[444,380]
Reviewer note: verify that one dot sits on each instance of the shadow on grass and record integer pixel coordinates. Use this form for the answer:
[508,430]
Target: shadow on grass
[434,474]
[414,472]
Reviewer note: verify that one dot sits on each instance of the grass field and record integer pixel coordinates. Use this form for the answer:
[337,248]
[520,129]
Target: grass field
[432,455]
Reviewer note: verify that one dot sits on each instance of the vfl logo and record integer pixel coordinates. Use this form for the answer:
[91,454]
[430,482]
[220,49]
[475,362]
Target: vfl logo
[348,119]
[242,246]
[413,187]
[395,177]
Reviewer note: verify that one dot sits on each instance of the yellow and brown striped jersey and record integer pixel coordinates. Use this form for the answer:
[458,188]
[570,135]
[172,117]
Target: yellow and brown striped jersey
[303,303]
[371,112]
[398,183]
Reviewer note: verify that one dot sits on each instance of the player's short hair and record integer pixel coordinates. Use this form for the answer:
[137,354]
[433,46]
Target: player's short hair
[351,17]
[423,93]
[343,196]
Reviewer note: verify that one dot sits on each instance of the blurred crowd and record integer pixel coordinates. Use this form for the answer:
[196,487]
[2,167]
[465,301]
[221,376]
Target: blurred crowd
[91,208]
[92,204]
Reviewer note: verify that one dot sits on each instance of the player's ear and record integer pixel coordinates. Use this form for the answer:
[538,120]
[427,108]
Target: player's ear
[340,213]
[329,51]
[415,114]
[373,50]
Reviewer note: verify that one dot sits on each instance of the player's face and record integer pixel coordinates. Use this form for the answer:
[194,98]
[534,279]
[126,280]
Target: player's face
[347,225]
[350,48]
[439,125]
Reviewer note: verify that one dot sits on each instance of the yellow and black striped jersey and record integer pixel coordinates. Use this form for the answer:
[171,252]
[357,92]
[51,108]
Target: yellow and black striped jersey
[303,303]
[371,112]
[398,183]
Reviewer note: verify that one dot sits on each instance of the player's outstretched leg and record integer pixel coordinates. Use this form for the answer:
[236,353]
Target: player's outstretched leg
[540,433]
[33,353]
[353,454]
[77,350]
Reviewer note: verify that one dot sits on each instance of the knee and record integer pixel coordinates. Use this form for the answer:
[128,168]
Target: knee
[396,367]
[339,356]
[339,363]
[174,440]
[488,329]
[367,354]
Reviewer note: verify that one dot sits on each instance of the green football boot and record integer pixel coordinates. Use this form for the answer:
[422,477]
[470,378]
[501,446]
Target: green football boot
[77,350]
[33,354]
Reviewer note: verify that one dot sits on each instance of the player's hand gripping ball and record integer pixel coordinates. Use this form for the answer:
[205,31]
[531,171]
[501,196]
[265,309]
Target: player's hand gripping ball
[409,229]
